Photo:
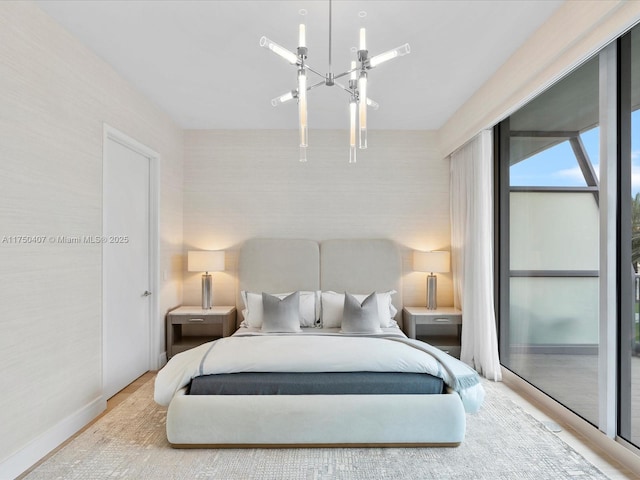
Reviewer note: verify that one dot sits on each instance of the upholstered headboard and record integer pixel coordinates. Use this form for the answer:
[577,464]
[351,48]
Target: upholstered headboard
[355,265]
[279,265]
[362,266]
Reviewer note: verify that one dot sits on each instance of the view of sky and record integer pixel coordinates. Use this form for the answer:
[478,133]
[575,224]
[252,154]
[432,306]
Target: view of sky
[557,166]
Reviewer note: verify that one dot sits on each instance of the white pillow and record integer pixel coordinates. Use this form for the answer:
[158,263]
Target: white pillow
[333,308]
[254,312]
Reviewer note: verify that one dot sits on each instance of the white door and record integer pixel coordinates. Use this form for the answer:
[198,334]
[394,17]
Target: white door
[125,259]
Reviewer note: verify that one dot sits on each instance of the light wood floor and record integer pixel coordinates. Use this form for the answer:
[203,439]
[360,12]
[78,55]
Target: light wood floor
[123,394]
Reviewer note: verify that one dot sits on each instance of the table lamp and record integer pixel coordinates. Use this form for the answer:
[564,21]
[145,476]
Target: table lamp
[206,261]
[432,262]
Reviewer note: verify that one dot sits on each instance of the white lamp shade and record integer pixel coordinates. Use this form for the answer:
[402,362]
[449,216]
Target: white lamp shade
[205,260]
[437,261]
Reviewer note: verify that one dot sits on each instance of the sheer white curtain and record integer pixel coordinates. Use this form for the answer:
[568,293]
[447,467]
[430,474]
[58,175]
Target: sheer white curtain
[472,253]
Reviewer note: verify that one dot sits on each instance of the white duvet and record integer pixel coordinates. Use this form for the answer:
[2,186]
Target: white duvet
[317,353]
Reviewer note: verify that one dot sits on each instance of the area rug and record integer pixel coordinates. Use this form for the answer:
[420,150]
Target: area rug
[502,442]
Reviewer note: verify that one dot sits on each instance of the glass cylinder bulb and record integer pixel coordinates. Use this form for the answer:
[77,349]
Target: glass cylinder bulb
[352,122]
[362,103]
[302,37]
[282,99]
[363,38]
[372,104]
[352,131]
[400,51]
[302,106]
[279,50]
[303,154]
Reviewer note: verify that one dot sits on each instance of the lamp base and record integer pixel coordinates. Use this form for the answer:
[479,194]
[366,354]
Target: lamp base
[432,292]
[207,290]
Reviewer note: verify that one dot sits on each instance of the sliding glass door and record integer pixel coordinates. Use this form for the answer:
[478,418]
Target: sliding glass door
[629,405]
[550,336]
[568,240]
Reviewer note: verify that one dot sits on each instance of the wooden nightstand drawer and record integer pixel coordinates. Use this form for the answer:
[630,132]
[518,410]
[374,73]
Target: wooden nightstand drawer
[186,319]
[180,334]
[440,328]
[439,319]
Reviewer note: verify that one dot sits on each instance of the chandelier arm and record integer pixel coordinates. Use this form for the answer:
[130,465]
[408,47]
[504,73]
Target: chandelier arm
[313,71]
[348,72]
[346,89]
[315,85]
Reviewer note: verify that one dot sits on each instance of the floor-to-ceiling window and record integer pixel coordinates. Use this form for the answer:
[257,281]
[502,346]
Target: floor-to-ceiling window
[629,405]
[568,240]
[551,338]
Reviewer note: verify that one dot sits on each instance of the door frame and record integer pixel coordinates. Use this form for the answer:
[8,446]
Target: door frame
[111,133]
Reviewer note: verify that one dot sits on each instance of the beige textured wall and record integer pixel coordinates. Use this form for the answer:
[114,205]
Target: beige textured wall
[54,97]
[243,184]
[576,31]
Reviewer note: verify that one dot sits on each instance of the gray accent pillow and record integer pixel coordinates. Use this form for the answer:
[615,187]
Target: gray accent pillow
[281,316]
[360,318]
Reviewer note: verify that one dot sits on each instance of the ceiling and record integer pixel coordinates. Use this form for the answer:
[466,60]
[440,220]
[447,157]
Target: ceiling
[201,63]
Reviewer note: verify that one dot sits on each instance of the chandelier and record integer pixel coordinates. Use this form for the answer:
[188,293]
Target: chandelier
[356,89]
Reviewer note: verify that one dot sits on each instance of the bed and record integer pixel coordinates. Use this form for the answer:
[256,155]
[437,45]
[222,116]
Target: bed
[322,383]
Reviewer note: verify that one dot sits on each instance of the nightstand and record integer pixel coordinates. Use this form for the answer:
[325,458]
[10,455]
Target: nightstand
[441,327]
[179,341]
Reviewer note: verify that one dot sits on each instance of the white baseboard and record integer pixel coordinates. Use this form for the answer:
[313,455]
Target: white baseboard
[35,450]
[162,360]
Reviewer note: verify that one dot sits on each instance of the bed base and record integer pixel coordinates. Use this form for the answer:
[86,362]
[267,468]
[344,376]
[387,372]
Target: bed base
[305,421]
[313,445]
